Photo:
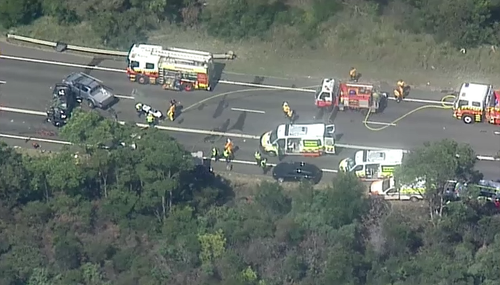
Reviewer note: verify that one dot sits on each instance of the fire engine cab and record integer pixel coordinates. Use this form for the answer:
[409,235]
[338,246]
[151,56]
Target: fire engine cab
[349,96]
[174,68]
[477,102]
[327,94]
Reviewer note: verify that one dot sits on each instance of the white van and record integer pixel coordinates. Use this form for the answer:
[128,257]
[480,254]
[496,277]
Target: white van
[373,163]
[387,188]
[299,139]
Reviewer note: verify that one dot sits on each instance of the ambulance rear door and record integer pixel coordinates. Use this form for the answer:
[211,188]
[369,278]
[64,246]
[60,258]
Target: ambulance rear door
[293,146]
[330,139]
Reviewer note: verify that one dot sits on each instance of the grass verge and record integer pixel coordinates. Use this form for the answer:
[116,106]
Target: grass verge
[375,47]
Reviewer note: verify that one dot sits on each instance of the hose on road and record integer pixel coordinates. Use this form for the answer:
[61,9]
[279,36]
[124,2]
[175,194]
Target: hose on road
[443,106]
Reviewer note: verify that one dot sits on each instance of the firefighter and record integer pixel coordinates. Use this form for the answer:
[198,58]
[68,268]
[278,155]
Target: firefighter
[399,91]
[286,108]
[138,109]
[171,112]
[150,119]
[215,153]
[229,146]
[353,74]
[263,165]
[290,115]
[258,157]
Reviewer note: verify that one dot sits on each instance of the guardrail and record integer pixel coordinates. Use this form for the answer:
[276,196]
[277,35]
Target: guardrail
[60,46]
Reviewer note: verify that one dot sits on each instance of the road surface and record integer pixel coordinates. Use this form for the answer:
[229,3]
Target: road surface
[235,109]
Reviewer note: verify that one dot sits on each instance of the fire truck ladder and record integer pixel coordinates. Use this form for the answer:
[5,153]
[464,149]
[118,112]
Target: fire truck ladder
[196,57]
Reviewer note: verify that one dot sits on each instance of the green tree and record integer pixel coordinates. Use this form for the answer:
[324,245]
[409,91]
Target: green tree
[68,252]
[18,12]
[436,163]
[14,178]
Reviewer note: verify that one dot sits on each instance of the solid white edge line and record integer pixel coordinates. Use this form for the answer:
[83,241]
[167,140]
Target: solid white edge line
[216,133]
[59,63]
[7,136]
[248,110]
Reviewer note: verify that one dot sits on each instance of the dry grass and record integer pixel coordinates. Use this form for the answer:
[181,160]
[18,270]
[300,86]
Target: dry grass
[375,47]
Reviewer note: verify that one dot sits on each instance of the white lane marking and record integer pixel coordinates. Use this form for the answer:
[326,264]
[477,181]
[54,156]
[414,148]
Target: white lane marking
[14,137]
[3,82]
[59,63]
[215,133]
[379,123]
[497,133]
[248,110]
[124,96]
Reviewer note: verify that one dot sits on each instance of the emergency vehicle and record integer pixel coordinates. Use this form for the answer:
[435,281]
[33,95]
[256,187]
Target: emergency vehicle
[372,164]
[299,139]
[387,188]
[477,103]
[349,96]
[151,64]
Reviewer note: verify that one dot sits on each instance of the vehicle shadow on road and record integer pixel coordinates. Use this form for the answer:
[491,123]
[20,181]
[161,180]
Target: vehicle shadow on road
[218,71]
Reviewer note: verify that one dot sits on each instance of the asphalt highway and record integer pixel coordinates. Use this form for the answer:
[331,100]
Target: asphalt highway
[34,126]
[237,109]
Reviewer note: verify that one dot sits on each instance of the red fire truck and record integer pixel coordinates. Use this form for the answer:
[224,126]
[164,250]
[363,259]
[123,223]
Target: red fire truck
[477,102]
[349,96]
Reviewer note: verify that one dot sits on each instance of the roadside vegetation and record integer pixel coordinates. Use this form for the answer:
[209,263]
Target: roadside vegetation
[383,38]
[115,215]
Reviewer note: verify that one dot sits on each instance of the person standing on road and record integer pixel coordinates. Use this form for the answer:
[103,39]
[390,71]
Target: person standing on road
[171,112]
[353,74]
[215,153]
[138,109]
[258,157]
[263,165]
[150,119]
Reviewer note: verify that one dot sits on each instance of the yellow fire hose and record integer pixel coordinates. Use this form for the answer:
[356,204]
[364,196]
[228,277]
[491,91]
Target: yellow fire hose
[443,106]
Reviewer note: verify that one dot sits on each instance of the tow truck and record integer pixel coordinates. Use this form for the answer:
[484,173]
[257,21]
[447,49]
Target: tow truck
[477,102]
[349,96]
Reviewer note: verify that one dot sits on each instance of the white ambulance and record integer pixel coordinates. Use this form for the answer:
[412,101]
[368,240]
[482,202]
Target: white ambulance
[387,188]
[299,139]
[373,164]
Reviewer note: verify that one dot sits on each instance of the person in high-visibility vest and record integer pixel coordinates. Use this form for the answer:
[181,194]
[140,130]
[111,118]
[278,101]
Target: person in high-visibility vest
[227,155]
[353,74]
[215,153]
[171,112]
[286,108]
[150,119]
[258,157]
[229,146]
[263,165]
[138,109]
[400,89]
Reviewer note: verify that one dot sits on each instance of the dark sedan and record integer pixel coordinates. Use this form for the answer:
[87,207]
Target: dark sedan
[297,171]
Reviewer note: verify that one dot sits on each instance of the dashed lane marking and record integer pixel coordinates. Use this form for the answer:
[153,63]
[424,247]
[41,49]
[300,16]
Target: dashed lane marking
[125,97]
[248,110]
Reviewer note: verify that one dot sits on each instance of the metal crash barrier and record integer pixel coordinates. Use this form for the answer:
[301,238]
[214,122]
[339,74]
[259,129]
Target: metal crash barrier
[61,46]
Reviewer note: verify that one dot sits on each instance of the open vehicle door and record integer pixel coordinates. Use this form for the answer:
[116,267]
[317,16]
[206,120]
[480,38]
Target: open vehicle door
[330,139]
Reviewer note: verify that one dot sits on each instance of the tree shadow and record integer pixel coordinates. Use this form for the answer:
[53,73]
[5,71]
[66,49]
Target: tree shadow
[201,189]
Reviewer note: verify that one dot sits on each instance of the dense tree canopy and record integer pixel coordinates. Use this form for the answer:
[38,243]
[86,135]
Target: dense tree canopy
[125,206]
[118,23]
